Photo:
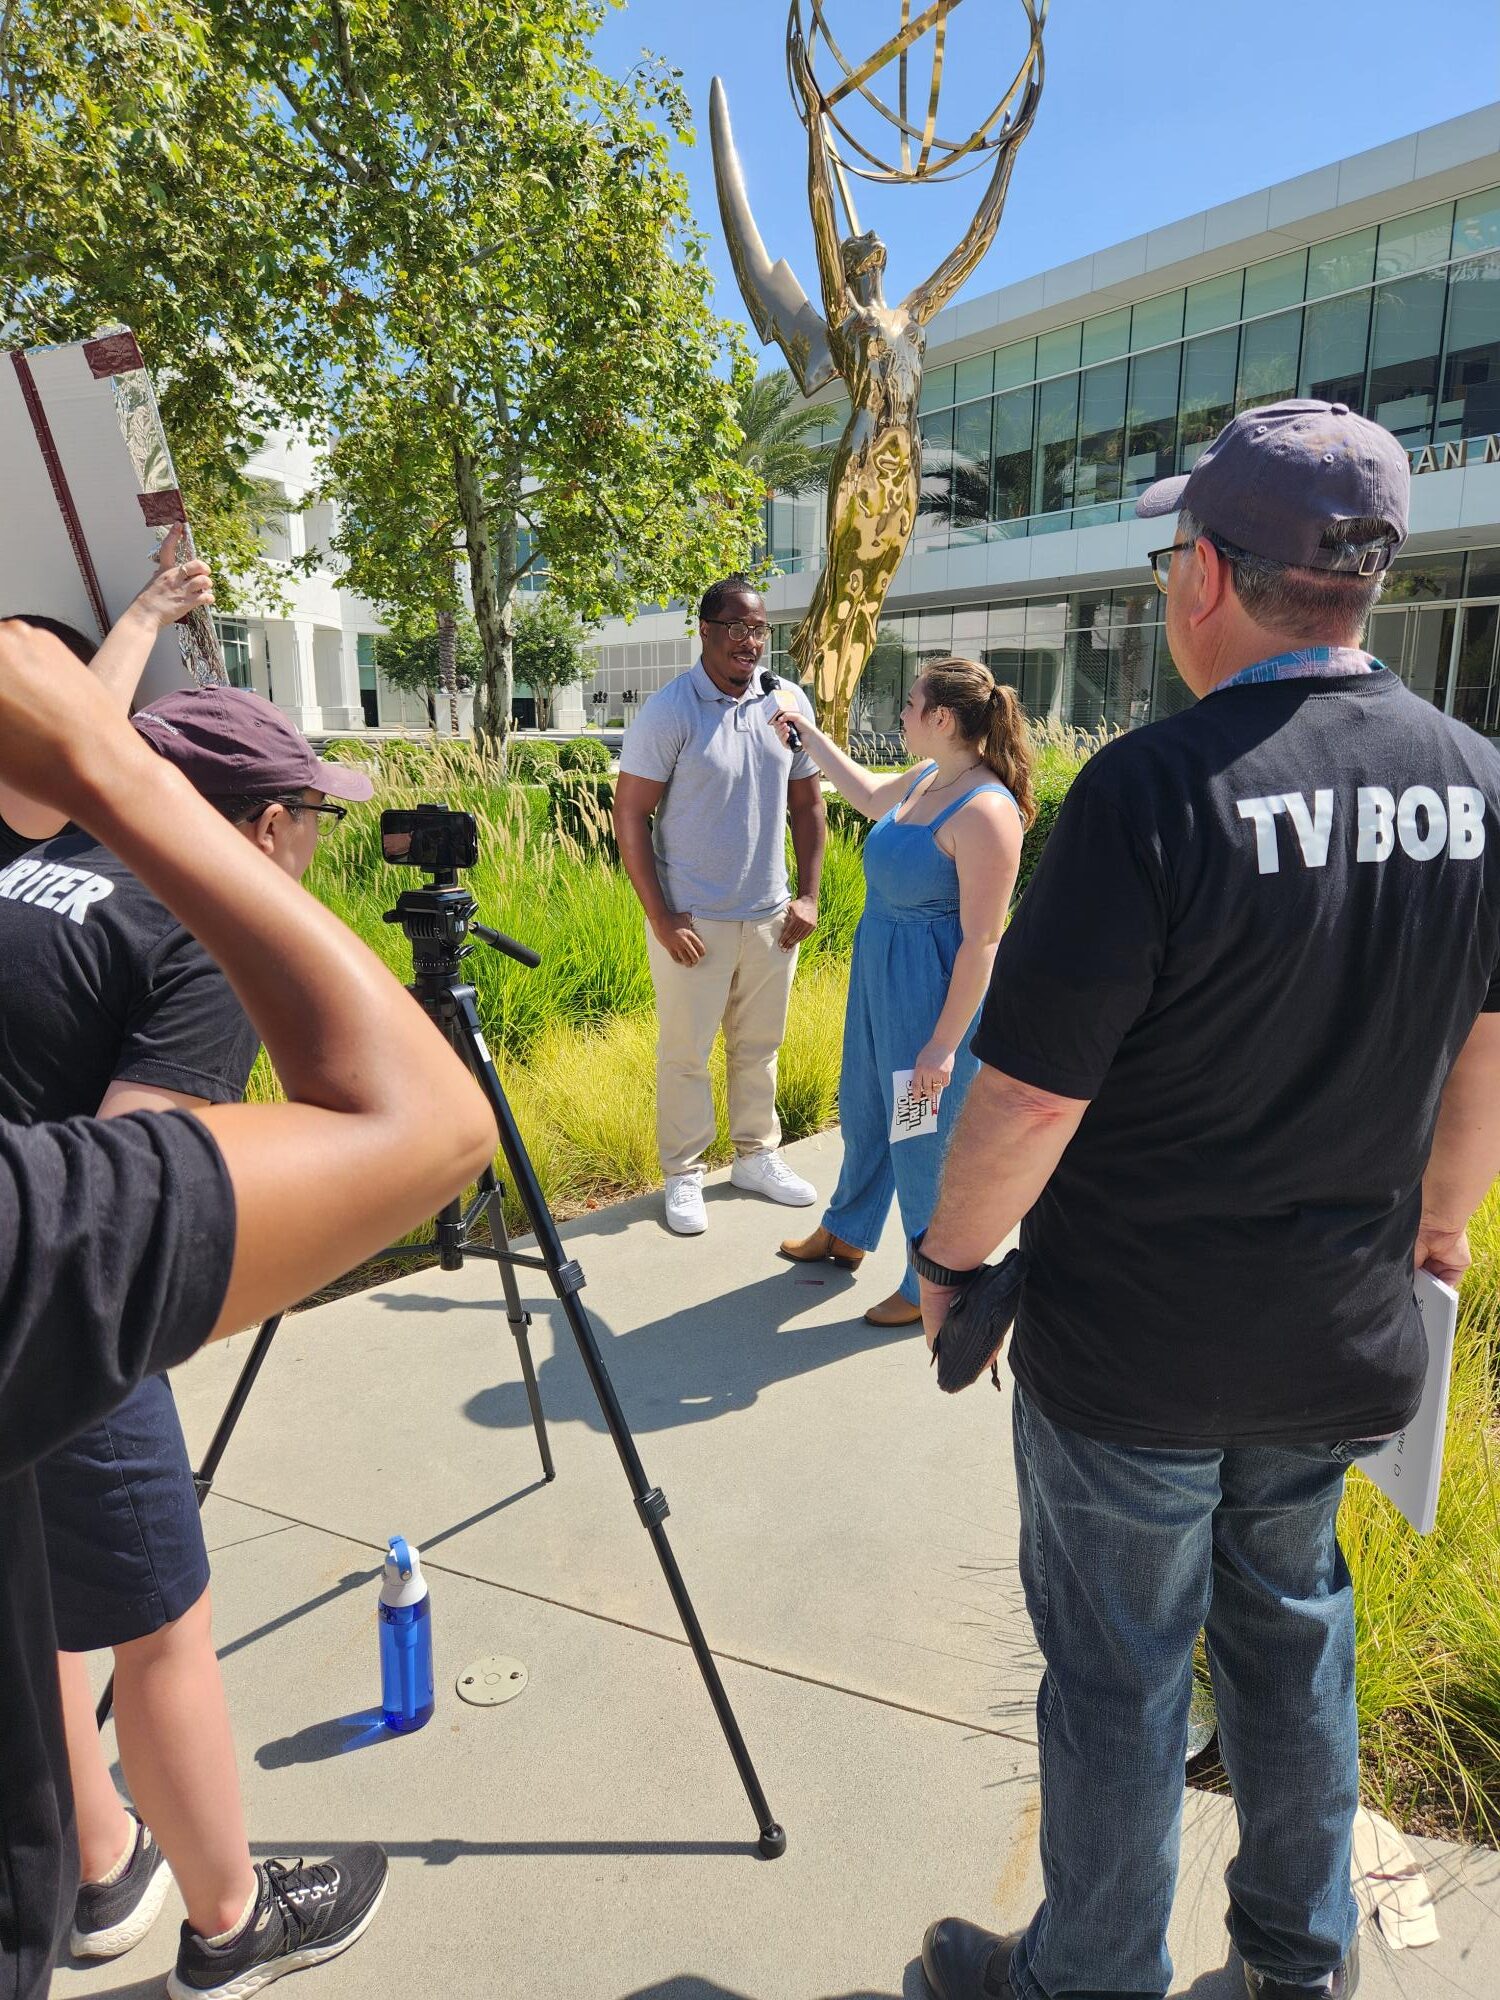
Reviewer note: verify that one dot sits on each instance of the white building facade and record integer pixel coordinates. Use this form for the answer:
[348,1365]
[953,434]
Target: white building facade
[314,653]
[1049,405]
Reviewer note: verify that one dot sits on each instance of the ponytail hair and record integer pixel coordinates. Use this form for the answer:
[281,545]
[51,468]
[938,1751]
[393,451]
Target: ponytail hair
[989,719]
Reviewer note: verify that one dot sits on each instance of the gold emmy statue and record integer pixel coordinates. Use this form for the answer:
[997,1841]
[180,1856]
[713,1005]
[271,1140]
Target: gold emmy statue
[877,349]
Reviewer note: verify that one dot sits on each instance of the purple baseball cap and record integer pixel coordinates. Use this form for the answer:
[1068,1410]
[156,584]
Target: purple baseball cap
[1276,480]
[229,742]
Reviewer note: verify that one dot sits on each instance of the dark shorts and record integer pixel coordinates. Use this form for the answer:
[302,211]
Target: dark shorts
[124,1538]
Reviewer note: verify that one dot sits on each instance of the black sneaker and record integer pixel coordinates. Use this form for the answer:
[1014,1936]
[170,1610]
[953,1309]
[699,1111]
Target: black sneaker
[110,1918]
[1340,1985]
[302,1915]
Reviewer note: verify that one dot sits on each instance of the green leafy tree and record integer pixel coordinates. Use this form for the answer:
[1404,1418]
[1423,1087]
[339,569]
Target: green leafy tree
[534,372]
[549,652]
[141,190]
[443,654]
[437,232]
[781,443]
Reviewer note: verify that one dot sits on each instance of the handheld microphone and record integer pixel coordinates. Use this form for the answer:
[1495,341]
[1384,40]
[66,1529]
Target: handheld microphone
[768,686]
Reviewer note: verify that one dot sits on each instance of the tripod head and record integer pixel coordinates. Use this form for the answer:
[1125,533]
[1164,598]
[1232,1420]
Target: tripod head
[438,920]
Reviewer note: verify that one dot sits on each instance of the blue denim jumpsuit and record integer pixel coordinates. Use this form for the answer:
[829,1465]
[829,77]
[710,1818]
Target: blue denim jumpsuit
[904,949]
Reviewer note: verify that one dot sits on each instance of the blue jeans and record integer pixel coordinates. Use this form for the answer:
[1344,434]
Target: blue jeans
[1126,1554]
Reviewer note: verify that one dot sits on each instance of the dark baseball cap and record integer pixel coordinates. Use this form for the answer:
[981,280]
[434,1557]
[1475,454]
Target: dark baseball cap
[1276,480]
[230,742]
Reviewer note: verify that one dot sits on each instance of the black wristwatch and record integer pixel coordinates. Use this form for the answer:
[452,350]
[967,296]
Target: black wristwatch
[939,1274]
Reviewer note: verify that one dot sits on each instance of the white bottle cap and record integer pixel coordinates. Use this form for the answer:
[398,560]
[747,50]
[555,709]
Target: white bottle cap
[402,1581]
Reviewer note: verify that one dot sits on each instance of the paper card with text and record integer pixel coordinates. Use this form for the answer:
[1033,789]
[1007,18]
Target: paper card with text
[911,1115]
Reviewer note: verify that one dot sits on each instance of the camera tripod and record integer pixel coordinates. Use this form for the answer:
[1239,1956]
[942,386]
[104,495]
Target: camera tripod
[438,921]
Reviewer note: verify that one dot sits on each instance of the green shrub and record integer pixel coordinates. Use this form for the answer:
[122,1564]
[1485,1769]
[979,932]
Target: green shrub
[349,750]
[536,803]
[582,805]
[584,753]
[528,763]
[1051,790]
[844,818]
[404,759]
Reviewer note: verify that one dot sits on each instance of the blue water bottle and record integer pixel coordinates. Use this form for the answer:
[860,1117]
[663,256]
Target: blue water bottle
[405,1639]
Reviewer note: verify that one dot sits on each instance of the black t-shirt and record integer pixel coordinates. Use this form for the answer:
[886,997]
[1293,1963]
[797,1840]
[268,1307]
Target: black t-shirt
[100,981]
[116,1239]
[1258,937]
[12,843]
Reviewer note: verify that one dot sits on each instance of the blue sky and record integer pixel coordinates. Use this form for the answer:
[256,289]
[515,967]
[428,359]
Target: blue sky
[1152,109]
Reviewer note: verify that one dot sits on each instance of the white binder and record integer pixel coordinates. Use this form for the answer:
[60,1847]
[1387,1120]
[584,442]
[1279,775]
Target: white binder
[1409,1470]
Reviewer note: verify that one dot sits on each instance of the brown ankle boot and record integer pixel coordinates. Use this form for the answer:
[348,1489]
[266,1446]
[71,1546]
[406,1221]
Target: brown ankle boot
[822,1246]
[894,1311]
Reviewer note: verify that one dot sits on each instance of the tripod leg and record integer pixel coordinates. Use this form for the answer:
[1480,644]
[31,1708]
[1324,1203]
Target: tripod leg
[650,1501]
[203,1478]
[515,1312]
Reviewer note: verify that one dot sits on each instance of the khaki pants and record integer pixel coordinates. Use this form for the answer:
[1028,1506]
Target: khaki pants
[743,981]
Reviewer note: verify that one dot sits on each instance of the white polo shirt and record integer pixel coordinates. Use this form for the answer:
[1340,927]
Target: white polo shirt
[720,830]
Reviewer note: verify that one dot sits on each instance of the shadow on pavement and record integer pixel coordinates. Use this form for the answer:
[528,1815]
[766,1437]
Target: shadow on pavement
[703,1362]
[321,1740]
[440,1853]
[1227,1982]
[356,1579]
[688,1986]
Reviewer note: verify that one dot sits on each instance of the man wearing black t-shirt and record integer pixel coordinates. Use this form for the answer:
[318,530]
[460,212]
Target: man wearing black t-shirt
[1241,1069]
[125,1243]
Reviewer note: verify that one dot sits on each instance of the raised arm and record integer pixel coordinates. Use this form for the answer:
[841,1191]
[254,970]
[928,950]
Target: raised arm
[928,299]
[820,195]
[867,794]
[174,591]
[385,1123]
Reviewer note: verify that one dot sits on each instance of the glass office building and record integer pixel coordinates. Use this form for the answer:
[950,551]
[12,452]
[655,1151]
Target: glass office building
[1048,407]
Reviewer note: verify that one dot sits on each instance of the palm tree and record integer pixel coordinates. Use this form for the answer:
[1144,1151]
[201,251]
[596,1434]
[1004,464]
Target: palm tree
[777,425]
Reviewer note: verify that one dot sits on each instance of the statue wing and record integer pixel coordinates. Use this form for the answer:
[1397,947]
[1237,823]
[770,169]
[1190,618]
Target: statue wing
[777,303]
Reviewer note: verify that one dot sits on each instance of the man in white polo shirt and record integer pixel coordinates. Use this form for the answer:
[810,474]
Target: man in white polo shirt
[705,791]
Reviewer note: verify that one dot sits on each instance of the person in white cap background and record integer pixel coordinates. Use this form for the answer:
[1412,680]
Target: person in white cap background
[1240,1073]
[111,1007]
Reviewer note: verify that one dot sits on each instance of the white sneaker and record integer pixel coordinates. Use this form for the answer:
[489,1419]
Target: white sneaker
[769,1174]
[685,1211]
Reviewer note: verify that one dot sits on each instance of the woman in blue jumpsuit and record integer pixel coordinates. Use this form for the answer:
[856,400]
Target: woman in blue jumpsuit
[940,864]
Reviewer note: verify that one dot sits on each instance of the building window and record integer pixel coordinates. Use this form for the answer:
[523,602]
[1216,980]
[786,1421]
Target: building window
[1404,348]
[971,469]
[234,643]
[1151,418]
[1269,352]
[1470,402]
[1335,337]
[369,678]
[1377,318]
[1208,374]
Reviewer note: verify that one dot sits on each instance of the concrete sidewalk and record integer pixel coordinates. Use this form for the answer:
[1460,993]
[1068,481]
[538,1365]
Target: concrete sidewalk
[848,1536]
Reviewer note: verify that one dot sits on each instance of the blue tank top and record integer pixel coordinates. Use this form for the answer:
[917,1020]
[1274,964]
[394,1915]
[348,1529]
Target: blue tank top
[908,877]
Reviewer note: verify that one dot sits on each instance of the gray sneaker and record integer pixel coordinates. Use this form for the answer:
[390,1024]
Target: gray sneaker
[304,1913]
[111,1918]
